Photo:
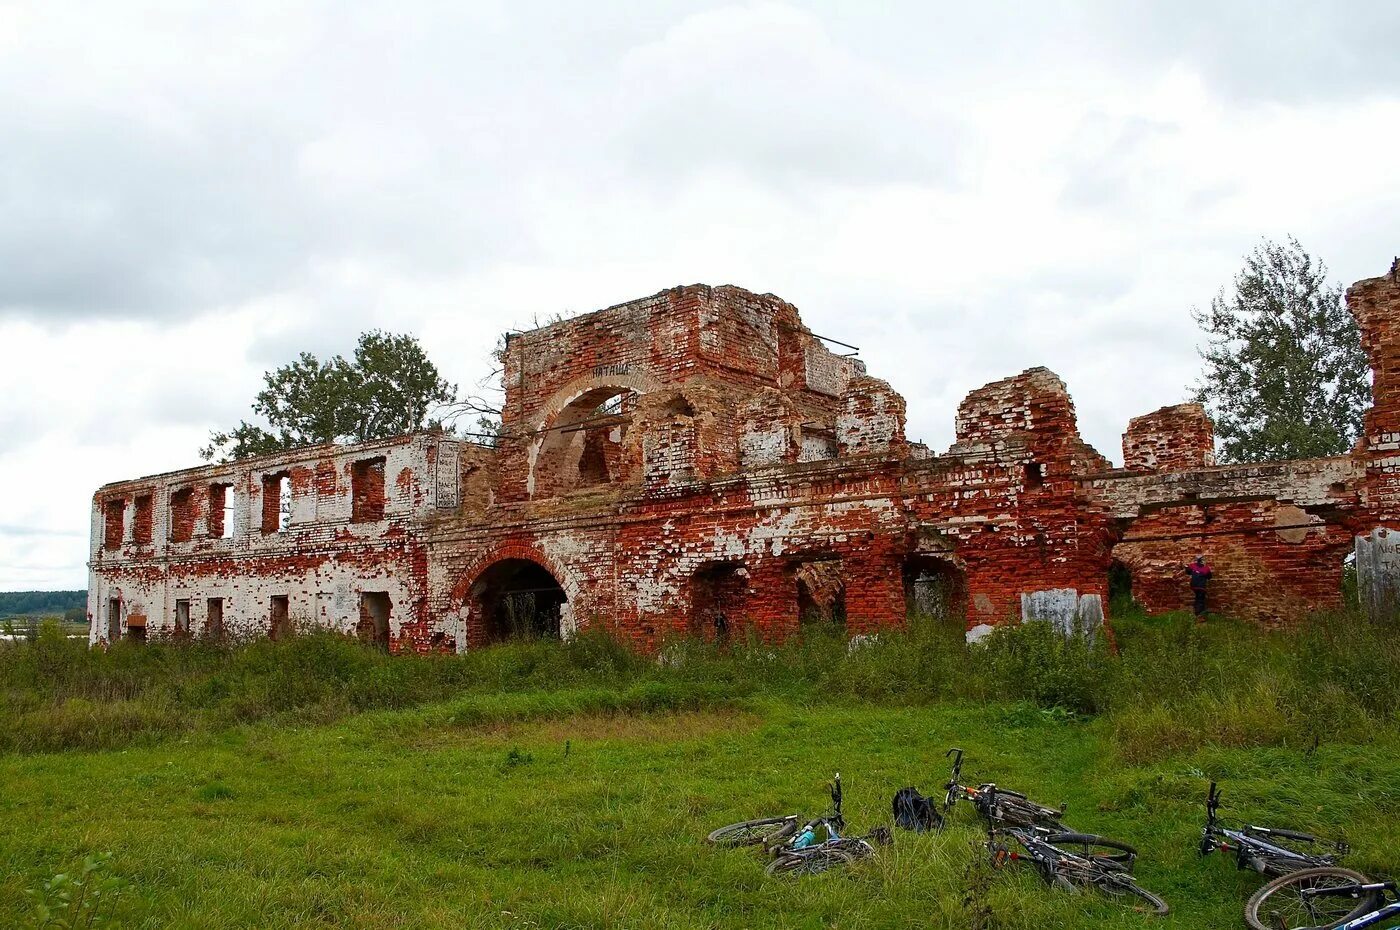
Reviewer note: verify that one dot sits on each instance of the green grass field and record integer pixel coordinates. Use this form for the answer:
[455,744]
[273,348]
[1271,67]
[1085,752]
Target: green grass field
[571,786]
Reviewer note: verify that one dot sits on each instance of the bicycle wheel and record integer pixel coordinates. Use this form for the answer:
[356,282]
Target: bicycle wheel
[1281,903]
[764,832]
[1118,887]
[810,862]
[1098,849]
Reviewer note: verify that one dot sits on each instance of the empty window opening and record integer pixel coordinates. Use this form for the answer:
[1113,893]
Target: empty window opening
[373,628]
[719,599]
[214,618]
[182,617]
[276,502]
[821,593]
[221,511]
[585,446]
[182,515]
[136,628]
[142,519]
[114,519]
[114,619]
[1035,474]
[367,491]
[280,620]
[518,599]
[935,589]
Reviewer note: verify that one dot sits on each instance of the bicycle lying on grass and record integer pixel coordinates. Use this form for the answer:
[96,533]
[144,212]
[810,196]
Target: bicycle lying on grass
[1262,849]
[1001,808]
[999,805]
[1324,898]
[1065,868]
[815,846]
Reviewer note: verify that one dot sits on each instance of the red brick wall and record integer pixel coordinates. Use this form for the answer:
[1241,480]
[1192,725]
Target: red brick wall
[1174,438]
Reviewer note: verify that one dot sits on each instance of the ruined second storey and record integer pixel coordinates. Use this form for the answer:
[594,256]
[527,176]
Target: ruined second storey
[698,462]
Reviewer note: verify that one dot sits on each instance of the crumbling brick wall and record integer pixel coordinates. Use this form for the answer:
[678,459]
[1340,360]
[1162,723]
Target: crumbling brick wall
[1174,438]
[698,459]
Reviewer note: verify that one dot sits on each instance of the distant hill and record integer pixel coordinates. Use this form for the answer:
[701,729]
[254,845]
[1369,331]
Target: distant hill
[41,603]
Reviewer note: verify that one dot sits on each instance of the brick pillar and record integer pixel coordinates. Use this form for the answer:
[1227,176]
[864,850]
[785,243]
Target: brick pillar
[1375,302]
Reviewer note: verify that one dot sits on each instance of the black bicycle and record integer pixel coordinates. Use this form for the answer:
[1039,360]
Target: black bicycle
[1325,898]
[1000,807]
[1263,849]
[1067,869]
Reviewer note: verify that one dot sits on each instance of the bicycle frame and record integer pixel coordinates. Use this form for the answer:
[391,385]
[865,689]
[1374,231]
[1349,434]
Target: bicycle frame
[1250,843]
[833,823]
[984,795]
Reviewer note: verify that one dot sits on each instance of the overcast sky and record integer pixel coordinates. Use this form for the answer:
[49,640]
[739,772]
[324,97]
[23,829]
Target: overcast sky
[962,190]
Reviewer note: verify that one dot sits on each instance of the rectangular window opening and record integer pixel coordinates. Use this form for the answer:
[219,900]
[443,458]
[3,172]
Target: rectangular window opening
[280,621]
[141,522]
[373,628]
[214,618]
[114,619]
[114,518]
[182,617]
[367,490]
[1035,474]
[277,502]
[221,511]
[182,515]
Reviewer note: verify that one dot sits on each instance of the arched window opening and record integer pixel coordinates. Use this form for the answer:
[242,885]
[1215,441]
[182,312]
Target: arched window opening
[934,588]
[518,599]
[585,446]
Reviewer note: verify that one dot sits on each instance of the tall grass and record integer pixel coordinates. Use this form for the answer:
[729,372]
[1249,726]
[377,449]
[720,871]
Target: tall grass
[1172,685]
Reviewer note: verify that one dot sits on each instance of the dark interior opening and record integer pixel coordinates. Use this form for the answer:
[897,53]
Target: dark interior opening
[934,588]
[373,627]
[280,621]
[519,599]
[1035,474]
[718,595]
[1120,587]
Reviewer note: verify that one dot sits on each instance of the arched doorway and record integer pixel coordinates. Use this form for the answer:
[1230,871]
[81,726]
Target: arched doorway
[934,588]
[517,599]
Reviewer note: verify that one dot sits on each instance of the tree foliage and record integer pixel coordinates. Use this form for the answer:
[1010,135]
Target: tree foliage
[1285,376]
[389,387]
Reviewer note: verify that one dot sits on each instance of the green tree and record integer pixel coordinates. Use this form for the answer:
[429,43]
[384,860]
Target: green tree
[390,387]
[1284,375]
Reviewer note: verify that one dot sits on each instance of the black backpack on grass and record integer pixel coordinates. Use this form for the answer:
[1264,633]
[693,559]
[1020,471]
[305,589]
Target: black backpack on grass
[913,811]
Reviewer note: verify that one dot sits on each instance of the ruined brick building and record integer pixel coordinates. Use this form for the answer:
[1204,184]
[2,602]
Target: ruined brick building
[698,461]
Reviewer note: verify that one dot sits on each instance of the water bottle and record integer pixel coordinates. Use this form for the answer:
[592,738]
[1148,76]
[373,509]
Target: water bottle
[805,839]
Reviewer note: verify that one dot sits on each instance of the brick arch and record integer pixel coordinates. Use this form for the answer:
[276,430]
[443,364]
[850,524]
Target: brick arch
[512,550]
[561,403]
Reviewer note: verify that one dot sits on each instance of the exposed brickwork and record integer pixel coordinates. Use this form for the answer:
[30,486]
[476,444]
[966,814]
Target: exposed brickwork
[142,520]
[698,462]
[182,515]
[1176,438]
